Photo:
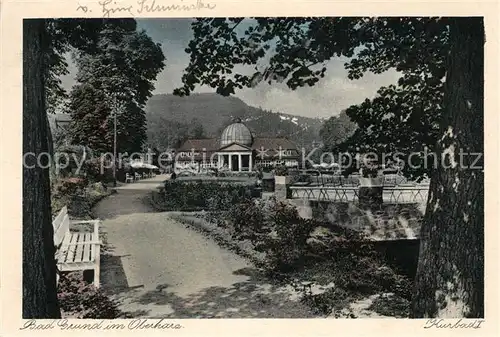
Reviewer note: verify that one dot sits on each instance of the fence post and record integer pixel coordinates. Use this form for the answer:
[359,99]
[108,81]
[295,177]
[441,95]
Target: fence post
[281,187]
[371,191]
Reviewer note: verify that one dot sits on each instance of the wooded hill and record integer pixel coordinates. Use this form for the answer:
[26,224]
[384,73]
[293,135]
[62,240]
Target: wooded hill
[171,119]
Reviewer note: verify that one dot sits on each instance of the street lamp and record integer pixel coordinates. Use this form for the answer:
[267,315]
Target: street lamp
[114,149]
[116,107]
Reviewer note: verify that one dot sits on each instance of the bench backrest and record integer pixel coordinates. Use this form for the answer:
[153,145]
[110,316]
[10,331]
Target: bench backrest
[61,226]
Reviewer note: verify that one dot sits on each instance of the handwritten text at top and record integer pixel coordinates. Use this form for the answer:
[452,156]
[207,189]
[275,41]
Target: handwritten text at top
[109,8]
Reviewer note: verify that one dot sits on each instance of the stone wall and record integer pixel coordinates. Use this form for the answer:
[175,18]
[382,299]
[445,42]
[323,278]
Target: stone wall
[381,222]
[371,214]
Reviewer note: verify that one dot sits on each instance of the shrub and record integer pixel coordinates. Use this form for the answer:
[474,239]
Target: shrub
[391,305]
[77,196]
[248,220]
[274,228]
[79,299]
[69,186]
[69,157]
[285,243]
[199,195]
[334,300]
[92,169]
[281,170]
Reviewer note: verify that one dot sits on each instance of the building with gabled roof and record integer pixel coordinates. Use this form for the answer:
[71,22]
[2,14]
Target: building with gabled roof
[236,150]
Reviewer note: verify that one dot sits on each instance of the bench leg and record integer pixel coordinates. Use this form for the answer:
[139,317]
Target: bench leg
[97,269]
[96,276]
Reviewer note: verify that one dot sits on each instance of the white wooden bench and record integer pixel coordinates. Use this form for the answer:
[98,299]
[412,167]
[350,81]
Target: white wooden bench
[77,250]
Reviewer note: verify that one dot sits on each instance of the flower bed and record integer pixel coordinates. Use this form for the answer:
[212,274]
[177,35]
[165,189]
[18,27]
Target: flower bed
[79,299]
[78,195]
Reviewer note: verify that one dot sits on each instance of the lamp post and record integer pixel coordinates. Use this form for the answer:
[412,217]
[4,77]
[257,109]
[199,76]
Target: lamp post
[118,100]
[117,105]
[114,149]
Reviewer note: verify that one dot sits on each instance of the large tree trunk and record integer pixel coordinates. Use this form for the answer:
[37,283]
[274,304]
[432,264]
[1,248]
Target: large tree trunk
[450,275]
[39,267]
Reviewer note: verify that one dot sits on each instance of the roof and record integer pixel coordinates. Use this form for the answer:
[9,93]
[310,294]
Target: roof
[209,144]
[271,146]
[236,133]
[274,143]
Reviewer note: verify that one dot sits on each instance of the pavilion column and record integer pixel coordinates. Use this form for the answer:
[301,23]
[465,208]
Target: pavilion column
[250,162]
[239,162]
[230,156]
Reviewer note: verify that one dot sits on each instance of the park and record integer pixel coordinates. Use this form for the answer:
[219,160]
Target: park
[232,203]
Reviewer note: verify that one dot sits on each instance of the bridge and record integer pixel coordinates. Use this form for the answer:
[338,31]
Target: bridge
[398,217]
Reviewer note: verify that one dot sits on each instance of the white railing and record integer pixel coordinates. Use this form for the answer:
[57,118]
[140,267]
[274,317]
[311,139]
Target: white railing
[398,194]
[341,194]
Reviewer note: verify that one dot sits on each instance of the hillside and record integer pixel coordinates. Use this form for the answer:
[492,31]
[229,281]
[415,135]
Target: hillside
[172,118]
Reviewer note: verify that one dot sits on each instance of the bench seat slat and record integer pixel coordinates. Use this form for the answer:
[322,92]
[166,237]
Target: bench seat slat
[70,256]
[75,245]
[76,222]
[87,248]
[76,266]
[79,248]
[63,249]
[85,243]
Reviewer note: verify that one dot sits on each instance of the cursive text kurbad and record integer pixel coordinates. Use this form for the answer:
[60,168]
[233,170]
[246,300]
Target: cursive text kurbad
[459,324]
[110,7]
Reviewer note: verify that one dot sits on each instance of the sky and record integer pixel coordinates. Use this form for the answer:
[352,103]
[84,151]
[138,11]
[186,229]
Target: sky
[327,98]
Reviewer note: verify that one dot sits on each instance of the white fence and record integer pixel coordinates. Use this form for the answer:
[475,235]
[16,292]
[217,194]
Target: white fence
[398,194]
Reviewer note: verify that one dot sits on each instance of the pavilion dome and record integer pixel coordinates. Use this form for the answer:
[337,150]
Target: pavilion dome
[236,133]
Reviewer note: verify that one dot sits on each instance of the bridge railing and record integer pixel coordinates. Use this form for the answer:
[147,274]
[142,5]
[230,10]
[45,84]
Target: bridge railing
[341,194]
[397,194]
[406,194]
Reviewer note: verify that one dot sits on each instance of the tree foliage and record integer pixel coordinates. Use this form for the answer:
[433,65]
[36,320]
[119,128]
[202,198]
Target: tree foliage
[115,76]
[64,36]
[296,51]
[336,130]
[166,134]
[197,131]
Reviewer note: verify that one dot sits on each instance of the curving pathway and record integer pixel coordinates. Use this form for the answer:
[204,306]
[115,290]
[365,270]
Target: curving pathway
[158,267]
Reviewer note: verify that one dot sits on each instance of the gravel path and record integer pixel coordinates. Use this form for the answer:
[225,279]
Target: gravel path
[158,267]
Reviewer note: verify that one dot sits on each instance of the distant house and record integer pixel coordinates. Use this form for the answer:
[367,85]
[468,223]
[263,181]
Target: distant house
[236,150]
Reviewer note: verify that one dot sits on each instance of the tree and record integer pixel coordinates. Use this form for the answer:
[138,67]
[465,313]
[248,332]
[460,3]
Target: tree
[196,129]
[450,276]
[166,134]
[39,266]
[65,35]
[89,113]
[115,77]
[68,35]
[407,117]
[336,130]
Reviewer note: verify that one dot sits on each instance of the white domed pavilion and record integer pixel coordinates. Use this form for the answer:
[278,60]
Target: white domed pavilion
[236,133]
[236,150]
